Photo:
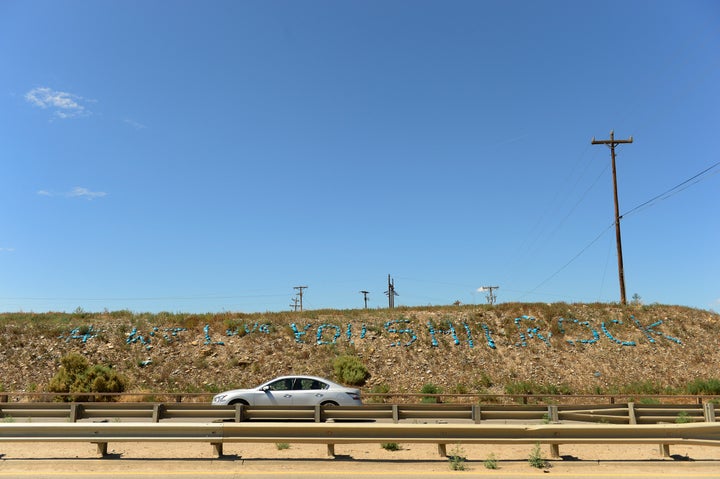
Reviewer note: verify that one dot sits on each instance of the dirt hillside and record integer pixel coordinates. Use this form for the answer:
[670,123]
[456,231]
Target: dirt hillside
[580,348]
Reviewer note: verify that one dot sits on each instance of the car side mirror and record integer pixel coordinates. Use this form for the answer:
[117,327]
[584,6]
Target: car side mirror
[265,388]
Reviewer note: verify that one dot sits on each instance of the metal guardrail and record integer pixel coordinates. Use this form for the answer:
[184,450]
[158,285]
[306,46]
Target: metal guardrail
[218,434]
[23,396]
[629,413]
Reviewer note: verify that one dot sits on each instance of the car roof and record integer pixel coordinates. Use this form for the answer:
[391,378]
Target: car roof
[303,376]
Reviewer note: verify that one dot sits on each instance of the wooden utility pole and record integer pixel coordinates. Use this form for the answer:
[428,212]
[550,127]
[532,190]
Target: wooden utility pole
[612,142]
[300,293]
[365,297]
[391,293]
[490,296]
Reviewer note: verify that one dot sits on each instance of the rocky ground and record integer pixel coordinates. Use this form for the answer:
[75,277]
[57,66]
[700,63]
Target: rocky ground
[580,348]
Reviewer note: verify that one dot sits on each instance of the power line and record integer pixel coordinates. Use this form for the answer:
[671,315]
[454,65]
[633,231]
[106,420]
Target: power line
[569,262]
[672,191]
[664,195]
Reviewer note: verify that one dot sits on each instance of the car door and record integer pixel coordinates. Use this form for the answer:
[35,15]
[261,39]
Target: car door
[276,393]
[309,392]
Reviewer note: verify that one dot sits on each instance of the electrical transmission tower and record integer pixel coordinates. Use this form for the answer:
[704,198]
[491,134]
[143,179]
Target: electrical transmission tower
[365,297]
[391,293]
[612,142]
[300,294]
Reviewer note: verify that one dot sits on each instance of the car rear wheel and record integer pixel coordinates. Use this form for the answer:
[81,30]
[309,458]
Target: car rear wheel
[329,403]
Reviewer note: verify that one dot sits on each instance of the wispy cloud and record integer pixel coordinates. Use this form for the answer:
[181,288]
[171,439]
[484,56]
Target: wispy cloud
[77,192]
[64,105]
[134,124]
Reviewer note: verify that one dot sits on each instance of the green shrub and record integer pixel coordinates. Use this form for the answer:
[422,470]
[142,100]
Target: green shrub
[484,381]
[521,387]
[378,389]
[430,388]
[390,446]
[704,386]
[282,445]
[536,460]
[683,418]
[77,376]
[456,458]
[490,462]
[350,370]
[642,387]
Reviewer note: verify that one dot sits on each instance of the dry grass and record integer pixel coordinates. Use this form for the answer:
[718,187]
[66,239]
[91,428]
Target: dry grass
[32,344]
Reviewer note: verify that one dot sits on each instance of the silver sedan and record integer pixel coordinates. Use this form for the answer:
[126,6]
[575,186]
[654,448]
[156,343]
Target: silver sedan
[292,391]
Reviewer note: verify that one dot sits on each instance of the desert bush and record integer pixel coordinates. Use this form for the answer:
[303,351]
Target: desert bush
[350,370]
[704,386]
[379,389]
[536,460]
[390,446]
[457,459]
[76,375]
[683,417]
[430,388]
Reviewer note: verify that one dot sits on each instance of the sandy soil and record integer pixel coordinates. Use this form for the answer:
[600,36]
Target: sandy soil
[366,458]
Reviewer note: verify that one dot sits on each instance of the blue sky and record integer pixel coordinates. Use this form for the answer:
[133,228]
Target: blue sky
[209,156]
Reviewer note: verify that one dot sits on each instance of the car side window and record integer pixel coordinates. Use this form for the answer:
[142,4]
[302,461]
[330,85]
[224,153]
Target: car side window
[304,384]
[307,384]
[281,385]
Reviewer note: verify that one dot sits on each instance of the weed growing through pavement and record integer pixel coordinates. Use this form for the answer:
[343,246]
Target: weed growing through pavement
[390,446]
[456,458]
[536,460]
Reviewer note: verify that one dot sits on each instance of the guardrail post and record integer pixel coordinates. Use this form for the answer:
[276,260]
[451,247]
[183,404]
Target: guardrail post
[476,413]
[442,450]
[395,413]
[665,450]
[218,448]
[555,451]
[157,412]
[318,413]
[709,412]
[101,448]
[4,398]
[553,413]
[239,412]
[631,413]
[76,411]
[331,450]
